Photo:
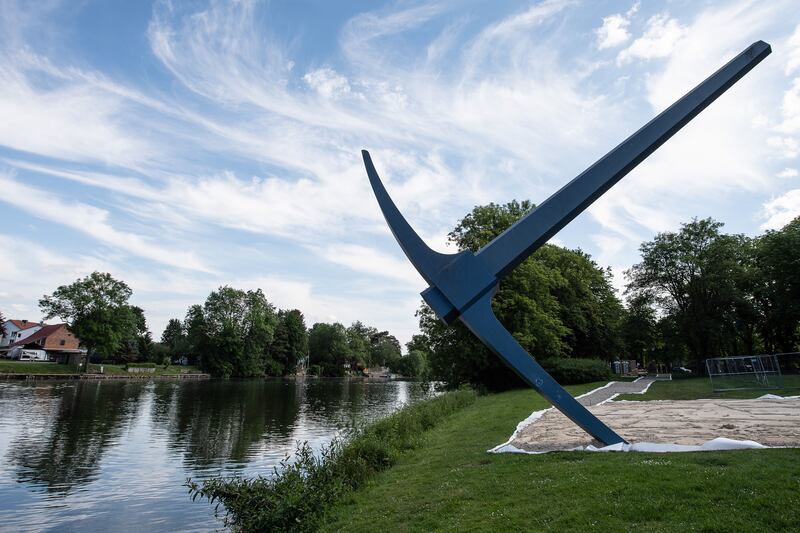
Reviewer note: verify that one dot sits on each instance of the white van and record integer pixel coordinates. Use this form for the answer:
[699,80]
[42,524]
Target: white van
[22,354]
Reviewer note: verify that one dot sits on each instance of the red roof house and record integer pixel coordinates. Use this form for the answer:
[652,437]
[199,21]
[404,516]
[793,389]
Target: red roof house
[56,339]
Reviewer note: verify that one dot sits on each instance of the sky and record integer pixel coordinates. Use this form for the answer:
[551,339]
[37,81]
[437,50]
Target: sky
[182,146]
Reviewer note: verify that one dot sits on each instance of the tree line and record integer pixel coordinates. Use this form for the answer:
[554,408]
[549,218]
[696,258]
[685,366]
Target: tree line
[234,333]
[696,293]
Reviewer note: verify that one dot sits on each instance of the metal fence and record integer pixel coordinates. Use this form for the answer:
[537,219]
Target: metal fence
[745,372]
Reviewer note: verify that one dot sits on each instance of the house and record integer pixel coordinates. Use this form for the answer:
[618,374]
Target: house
[17,330]
[58,341]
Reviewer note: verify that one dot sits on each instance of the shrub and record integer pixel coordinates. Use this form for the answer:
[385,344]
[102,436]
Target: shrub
[576,371]
[140,365]
[303,488]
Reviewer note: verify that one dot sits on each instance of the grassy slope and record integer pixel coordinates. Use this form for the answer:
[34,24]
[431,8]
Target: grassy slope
[43,367]
[694,388]
[451,483]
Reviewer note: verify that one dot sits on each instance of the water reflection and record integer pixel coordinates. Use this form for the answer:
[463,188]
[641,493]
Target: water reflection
[59,448]
[104,455]
[215,423]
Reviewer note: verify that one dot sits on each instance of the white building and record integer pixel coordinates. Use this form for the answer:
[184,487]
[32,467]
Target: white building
[17,330]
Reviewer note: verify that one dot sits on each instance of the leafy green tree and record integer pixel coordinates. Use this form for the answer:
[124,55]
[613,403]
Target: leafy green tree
[197,339]
[640,333]
[290,342]
[414,365]
[173,333]
[698,276]
[384,349]
[236,331]
[419,343]
[328,348]
[96,310]
[556,303]
[142,336]
[359,338]
[2,324]
[777,287]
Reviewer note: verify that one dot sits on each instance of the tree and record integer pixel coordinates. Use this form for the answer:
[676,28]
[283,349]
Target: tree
[777,287]
[359,342]
[173,333]
[234,330]
[328,348]
[197,338]
[419,343]
[698,276]
[295,335]
[413,365]
[557,303]
[639,330]
[174,340]
[143,337]
[290,343]
[384,349]
[96,310]
[2,324]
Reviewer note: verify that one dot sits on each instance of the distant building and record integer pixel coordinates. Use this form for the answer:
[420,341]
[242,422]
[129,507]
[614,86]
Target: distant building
[58,341]
[17,330]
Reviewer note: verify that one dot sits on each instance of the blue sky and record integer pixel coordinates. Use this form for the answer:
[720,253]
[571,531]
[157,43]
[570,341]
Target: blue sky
[186,145]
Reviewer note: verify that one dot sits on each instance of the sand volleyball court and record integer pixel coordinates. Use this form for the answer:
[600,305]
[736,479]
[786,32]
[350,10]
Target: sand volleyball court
[770,421]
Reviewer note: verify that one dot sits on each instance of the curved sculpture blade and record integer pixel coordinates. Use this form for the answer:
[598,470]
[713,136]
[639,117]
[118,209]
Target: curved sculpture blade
[427,262]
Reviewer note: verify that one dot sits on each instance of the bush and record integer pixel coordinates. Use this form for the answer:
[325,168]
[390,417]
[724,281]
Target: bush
[140,365]
[576,371]
[303,488]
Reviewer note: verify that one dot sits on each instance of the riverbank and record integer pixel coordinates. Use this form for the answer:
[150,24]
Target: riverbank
[26,370]
[450,483]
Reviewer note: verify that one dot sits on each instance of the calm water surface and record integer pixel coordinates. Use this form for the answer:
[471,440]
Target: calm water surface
[111,456]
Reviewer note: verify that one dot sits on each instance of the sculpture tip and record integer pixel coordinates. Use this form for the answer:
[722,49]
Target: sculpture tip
[760,47]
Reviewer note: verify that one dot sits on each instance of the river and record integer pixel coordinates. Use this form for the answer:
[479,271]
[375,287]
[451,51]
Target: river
[114,455]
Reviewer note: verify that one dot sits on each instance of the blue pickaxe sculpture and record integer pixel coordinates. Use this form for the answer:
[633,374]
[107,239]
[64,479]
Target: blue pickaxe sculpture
[462,284]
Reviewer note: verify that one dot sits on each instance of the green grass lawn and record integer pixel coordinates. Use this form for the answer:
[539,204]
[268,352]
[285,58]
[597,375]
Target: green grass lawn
[46,367]
[694,388]
[37,367]
[452,484]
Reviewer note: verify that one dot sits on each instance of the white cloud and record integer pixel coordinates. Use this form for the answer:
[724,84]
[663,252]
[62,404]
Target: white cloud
[75,120]
[659,39]
[788,173]
[370,261]
[787,147]
[327,82]
[790,109]
[723,152]
[20,290]
[793,52]
[781,210]
[613,32]
[93,222]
